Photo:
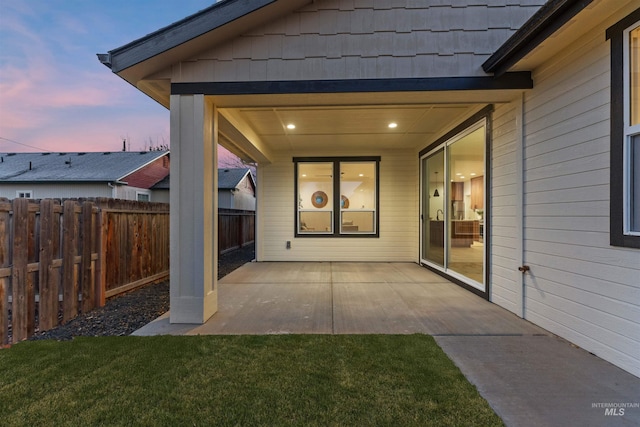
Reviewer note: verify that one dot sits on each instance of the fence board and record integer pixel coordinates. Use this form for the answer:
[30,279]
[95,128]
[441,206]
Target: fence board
[69,248]
[87,284]
[19,308]
[47,307]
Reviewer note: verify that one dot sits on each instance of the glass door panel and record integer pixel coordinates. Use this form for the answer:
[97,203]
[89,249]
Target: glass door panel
[465,161]
[452,206]
[433,208]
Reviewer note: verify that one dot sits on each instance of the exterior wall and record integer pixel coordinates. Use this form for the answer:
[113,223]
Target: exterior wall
[505,278]
[160,196]
[343,39]
[60,191]
[245,196]
[580,287]
[398,239]
[126,192]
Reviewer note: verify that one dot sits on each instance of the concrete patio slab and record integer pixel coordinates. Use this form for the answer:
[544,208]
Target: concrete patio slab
[346,298]
[529,376]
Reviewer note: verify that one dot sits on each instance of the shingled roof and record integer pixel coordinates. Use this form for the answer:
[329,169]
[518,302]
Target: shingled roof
[228,179]
[76,167]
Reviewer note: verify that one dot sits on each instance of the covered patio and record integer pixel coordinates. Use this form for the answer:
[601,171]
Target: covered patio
[347,298]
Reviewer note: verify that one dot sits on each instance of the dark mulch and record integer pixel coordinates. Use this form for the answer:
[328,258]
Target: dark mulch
[125,313]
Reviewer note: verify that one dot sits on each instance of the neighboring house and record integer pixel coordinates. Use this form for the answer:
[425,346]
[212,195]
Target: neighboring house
[236,189]
[358,113]
[119,175]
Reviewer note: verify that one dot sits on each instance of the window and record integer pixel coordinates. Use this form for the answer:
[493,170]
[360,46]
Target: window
[142,197]
[24,194]
[337,197]
[625,132]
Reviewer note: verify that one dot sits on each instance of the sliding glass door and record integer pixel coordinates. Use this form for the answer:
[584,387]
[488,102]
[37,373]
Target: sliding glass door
[452,206]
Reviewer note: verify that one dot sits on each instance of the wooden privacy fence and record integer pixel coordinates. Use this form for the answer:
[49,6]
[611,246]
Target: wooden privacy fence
[236,228]
[57,260]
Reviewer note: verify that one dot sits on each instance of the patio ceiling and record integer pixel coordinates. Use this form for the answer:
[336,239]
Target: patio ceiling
[358,127]
[347,121]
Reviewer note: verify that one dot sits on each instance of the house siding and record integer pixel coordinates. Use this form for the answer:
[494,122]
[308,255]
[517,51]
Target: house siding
[57,190]
[343,39]
[579,286]
[505,278]
[398,239]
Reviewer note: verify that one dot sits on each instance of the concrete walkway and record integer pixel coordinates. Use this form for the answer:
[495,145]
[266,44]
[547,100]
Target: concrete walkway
[529,376]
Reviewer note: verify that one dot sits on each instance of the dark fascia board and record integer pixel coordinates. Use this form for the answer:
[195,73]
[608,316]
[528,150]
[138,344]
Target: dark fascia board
[517,80]
[547,20]
[180,32]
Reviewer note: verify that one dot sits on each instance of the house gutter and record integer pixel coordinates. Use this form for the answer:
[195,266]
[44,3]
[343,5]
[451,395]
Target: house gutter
[546,21]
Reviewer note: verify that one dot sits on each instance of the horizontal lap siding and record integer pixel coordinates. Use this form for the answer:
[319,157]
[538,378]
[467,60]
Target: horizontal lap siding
[398,239]
[56,190]
[504,274]
[343,39]
[579,287]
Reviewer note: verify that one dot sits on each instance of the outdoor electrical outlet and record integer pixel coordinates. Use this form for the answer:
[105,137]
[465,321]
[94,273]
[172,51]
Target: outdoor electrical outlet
[288,244]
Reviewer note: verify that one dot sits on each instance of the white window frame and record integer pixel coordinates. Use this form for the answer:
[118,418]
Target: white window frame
[628,131]
[24,194]
[145,193]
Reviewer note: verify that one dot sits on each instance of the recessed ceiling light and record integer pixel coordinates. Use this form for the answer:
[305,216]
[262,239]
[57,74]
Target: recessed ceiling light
[361,174]
[304,174]
[462,177]
[291,126]
[393,125]
[472,174]
[458,174]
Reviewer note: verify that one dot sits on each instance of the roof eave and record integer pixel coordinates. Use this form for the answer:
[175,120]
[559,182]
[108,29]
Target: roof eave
[547,20]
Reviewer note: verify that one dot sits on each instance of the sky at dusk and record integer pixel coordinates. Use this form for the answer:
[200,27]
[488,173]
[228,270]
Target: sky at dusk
[54,93]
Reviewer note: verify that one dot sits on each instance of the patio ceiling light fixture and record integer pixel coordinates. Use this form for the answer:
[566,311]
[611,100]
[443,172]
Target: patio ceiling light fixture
[291,126]
[393,125]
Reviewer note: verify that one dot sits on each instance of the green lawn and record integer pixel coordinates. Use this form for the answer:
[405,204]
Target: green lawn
[305,380]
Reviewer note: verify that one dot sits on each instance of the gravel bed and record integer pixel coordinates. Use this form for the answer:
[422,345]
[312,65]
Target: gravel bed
[125,313]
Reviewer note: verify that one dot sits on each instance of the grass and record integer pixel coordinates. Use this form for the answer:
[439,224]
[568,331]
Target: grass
[303,380]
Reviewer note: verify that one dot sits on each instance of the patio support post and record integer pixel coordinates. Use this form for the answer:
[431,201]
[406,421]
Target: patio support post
[194,209]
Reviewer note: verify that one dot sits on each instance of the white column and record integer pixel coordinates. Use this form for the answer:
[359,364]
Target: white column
[194,209]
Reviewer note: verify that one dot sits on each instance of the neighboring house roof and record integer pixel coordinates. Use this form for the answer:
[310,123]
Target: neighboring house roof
[547,20]
[74,167]
[228,179]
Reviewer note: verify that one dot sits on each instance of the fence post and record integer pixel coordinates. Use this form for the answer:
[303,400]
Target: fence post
[19,307]
[5,207]
[69,246]
[48,312]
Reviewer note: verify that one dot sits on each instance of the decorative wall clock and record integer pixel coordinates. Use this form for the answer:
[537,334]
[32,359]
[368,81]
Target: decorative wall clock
[319,199]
